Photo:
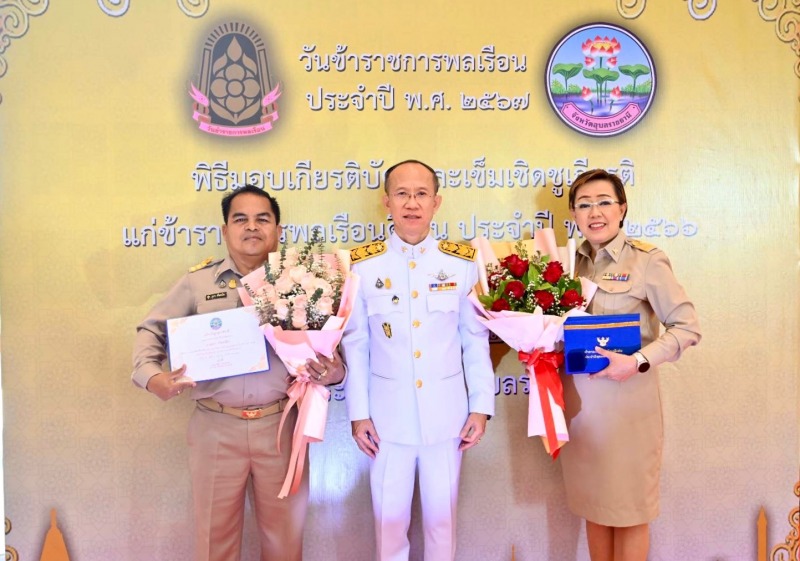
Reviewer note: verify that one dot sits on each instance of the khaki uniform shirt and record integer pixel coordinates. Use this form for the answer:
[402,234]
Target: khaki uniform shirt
[650,289]
[203,290]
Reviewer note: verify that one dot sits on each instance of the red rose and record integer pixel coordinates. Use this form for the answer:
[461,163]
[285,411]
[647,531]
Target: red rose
[544,298]
[515,265]
[571,299]
[553,272]
[500,305]
[515,289]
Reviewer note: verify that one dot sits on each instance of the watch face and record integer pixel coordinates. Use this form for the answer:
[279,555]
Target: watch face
[641,362]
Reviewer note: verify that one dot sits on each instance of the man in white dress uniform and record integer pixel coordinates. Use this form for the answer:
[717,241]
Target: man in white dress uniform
[420,386]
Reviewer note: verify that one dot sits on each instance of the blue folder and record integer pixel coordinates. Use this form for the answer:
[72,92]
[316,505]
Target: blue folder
[619,333]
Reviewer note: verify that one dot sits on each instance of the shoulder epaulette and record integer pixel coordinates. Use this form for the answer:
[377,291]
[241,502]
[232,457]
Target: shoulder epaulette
[202,265]
[366,251]
[640,245]
[460,250]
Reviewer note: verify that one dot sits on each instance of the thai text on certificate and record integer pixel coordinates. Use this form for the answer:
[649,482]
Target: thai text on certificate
[217,344]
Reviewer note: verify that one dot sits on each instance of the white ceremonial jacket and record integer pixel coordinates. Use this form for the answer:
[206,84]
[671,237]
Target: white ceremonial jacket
[417,357]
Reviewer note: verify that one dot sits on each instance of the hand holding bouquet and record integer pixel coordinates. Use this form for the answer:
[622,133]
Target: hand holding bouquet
[524,298]
[304,299]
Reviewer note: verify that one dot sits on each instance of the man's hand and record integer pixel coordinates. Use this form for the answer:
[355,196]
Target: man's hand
[620,366]
[167,385]
[366,437]
[473,431]
[326,371]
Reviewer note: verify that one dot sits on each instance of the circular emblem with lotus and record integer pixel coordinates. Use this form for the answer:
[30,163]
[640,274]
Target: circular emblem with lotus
[600,79]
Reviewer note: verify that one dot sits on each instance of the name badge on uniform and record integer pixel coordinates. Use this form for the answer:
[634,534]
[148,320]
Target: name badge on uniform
[216,296]
[616,276]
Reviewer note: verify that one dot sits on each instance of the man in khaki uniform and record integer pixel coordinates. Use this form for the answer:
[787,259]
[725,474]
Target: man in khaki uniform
[232,432]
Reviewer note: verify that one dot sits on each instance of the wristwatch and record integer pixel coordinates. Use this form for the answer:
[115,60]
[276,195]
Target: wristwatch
[642,364]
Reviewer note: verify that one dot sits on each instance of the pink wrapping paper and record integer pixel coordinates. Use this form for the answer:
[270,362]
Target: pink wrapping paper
[294,348]
[528,332]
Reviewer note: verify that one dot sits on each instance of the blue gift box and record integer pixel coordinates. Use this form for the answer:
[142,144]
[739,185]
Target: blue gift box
[619,333]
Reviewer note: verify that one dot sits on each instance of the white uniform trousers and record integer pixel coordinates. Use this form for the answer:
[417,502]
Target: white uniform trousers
[224,452]
[392,475]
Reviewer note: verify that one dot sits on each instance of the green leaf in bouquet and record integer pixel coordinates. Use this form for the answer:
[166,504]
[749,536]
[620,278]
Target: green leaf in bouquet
[533,272]
[281,261]
[316,296]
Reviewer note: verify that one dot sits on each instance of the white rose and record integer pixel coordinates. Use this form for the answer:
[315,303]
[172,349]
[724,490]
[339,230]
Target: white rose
[284,284]
[282,309]
[325,306]
[299,318]
[327,289]
[296,273]
[300,302]
[291,258]
[307,282]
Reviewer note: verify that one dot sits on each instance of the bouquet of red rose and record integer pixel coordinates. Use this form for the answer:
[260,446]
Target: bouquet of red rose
[304,299]
[524,298]
[521,282]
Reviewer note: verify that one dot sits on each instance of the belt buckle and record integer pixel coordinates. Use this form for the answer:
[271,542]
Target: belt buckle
[251,413]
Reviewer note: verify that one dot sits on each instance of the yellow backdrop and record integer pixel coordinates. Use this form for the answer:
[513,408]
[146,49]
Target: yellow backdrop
[97,140]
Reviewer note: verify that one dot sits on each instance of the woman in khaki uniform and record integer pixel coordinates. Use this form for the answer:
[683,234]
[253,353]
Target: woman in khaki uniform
[611,464]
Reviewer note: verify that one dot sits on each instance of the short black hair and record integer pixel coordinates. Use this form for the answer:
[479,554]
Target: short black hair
[228,199]
[398,164]
[599,175]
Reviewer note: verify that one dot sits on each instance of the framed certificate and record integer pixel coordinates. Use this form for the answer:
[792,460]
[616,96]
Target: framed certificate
[618,333]
[217,344]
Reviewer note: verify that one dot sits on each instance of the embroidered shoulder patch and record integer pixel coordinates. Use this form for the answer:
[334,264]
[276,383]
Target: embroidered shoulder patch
[366,251]
[640,245]
[202,265]
[460,250]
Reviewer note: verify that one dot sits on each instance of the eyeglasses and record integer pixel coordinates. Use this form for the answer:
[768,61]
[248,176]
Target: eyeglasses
[604,204]
[421,197]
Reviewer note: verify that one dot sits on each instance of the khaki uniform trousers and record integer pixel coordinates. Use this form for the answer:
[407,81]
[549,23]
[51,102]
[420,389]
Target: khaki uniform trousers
[224,453]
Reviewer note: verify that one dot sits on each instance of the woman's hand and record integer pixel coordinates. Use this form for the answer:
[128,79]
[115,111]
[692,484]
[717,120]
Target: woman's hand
[620,367]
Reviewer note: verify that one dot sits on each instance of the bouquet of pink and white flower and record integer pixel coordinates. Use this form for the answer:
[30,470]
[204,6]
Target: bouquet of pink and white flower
[301,291]
[304,299]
